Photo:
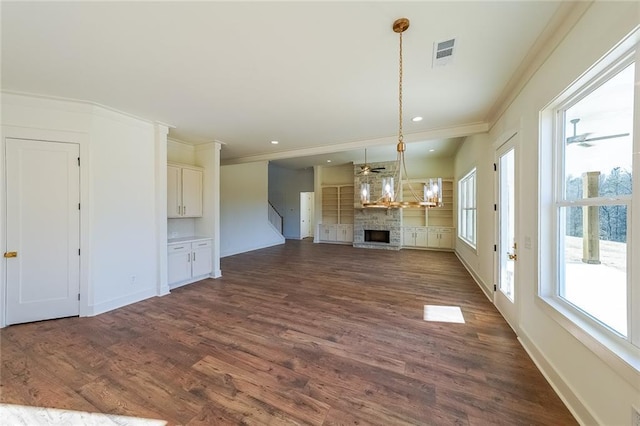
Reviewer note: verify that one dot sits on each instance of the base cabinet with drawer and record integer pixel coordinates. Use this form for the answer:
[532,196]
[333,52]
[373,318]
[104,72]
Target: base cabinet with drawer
[188,261]
[342,233]
[440,238]
[415,236]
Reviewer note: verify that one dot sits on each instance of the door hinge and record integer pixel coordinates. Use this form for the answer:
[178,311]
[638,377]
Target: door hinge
[78,161]
[495,287]
[78,252]
[495,167]
[78,206]
[495,207]
[495,247]
[78,296]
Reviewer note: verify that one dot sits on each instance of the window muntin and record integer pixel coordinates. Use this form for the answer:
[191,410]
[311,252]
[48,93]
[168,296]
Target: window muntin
[467,208]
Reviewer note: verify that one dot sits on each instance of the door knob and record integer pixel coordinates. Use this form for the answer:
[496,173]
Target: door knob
[11,254]
[512,256]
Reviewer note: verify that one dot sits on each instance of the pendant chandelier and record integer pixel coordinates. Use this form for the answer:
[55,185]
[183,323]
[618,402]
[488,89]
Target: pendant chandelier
[391,196]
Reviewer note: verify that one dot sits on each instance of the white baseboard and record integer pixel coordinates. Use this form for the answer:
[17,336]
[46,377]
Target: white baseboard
[485,289]
[119,302]
[252,248]
[577,408]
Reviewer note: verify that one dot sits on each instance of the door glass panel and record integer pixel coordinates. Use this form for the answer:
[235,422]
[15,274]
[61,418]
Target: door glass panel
[506,203]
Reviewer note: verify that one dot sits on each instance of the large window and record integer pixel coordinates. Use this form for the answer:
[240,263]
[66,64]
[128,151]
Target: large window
[467,208]
[592,201]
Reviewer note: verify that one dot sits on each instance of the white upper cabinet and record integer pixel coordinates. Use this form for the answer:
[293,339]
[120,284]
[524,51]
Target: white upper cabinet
[184,186]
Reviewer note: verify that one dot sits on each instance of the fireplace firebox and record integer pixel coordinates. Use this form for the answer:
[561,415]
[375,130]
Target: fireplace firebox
[375,236]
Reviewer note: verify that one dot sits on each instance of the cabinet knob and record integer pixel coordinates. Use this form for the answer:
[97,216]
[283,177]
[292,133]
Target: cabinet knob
[11,254]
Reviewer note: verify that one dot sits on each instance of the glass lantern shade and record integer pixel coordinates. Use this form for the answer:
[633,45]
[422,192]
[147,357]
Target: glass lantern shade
[365,193]
[387,188]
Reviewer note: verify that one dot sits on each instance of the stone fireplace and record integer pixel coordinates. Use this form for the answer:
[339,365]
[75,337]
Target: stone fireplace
[375,228]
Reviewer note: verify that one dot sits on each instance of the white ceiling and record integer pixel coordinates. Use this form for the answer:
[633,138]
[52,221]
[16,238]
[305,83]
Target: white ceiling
[319,77]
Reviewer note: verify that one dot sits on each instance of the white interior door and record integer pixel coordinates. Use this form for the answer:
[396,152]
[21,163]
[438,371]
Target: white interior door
[306,214]
[507,291]
[43,230]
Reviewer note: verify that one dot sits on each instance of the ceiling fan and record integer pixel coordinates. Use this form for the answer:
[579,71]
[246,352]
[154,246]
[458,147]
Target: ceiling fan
[584,140]
[365,169]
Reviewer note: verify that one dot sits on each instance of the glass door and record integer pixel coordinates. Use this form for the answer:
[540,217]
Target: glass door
[505,296]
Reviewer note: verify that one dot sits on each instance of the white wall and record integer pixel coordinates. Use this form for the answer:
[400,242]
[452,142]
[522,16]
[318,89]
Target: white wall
[180,152]
[335,175]
[285,186]
[244,223]
[476,151]
[119,262]
[595,392]
[122,203]
[429,167]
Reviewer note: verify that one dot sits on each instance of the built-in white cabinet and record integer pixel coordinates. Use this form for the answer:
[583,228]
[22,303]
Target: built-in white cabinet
[188,260]
[337,214]
[184,191]
[415,236]
[440,237]
[428,228]
[436,216]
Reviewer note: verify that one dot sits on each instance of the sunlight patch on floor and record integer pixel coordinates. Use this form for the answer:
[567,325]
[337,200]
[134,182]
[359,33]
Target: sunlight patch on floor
[443,314]
[23,415]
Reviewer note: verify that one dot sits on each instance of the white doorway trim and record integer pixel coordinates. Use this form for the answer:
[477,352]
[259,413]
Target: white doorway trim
[307,213]
[82,139]
[509,309]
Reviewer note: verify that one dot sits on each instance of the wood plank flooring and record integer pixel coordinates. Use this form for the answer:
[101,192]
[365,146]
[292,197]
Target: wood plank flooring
[301,333]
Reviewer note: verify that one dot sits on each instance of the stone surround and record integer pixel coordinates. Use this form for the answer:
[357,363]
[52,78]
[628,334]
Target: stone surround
[375,219]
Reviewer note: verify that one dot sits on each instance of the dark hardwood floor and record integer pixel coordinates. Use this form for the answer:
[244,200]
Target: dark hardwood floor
[301,333]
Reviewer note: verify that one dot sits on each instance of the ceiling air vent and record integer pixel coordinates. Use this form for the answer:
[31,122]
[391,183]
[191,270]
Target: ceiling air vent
[443,52]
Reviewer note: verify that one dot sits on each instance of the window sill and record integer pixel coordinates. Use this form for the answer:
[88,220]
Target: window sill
[618,354]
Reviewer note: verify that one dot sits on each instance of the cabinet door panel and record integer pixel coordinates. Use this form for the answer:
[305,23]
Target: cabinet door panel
[433,239]
[191,193]
[345,233]
[421,237]
[174,199]
[445,240]
[179,264]
[408,238]
[328,232]
[201,264]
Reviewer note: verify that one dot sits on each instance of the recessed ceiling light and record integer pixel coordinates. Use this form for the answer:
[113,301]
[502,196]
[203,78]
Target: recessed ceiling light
[275,142]
[328,161]
[431,150]
[416,119]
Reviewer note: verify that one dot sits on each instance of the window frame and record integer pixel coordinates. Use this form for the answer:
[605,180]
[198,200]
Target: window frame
[464,208]
[620,353]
